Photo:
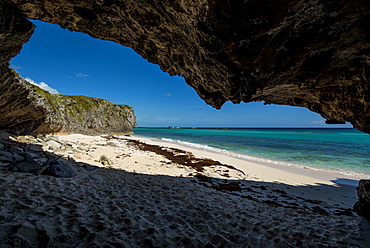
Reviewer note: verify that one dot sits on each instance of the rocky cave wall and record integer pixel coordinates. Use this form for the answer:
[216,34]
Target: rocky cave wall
[15,30]
[308,53]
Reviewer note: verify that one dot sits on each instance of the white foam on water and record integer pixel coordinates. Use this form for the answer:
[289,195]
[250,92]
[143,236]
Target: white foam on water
[224,151]
[257,159]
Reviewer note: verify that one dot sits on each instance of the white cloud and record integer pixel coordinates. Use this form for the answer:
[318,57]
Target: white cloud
[320,122]
[81,75]
[42,85]
[168,94]
[15,67]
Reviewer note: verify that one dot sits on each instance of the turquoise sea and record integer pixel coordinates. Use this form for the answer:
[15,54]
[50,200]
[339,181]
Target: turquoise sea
[321,148]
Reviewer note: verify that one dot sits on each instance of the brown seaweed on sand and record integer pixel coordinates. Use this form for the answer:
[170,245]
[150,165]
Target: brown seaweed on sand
[175,155]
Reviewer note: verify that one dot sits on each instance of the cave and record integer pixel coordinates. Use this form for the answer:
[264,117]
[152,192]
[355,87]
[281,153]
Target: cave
[307,53]
[312,54]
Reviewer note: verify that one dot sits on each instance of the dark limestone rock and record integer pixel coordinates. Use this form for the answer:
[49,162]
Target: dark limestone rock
[59,169]
[4,166]
[34,155]
[15,30]
[89,167]
[362,206]
[309,53]
[17,156]
[27,165]
[4,135]
[21,109]
[30,157]
[51,156]
[6,156]
[34,148]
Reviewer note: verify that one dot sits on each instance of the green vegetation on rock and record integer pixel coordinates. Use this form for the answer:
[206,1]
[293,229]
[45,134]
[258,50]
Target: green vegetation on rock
[74,113]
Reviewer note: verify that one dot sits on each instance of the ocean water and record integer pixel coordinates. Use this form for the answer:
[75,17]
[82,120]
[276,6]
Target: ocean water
[342,149]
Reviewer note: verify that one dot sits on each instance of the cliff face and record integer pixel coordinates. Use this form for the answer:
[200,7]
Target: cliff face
[25,108]
[21,109]
[309,53]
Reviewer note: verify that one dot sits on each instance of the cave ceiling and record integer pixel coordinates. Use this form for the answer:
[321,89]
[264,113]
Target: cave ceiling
[309,53]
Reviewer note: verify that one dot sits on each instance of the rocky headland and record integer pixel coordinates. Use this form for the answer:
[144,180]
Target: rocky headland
[27,109]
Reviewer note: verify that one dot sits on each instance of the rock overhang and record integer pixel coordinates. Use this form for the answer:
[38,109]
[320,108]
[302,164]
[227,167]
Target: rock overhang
[314,54]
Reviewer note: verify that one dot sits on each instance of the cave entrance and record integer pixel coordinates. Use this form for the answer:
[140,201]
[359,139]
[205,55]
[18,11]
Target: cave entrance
[74,63]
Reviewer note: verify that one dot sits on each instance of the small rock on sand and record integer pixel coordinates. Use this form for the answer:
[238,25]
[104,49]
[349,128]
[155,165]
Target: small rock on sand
[59,169]
[54,145]
[4,135]
[104,160]
[28,165]
[6,156]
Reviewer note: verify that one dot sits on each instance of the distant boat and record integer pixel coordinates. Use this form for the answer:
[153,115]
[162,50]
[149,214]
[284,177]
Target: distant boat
[173,127]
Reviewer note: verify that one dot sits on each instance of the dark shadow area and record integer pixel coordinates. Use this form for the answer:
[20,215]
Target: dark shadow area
[345,181]
[107,207]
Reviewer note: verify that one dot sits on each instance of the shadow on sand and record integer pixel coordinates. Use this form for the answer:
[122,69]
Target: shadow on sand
[107,207]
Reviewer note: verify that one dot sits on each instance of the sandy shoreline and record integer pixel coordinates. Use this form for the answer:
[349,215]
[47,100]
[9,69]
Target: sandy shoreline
[315,175]
[142,199]
[335,182]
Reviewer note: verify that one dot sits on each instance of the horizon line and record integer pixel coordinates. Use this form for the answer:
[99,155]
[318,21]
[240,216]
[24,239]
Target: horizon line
[225,127]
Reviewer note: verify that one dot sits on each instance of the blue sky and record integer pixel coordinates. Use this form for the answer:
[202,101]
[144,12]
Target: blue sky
[76,64]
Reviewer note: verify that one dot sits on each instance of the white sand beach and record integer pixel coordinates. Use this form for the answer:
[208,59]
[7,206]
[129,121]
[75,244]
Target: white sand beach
[139,198]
